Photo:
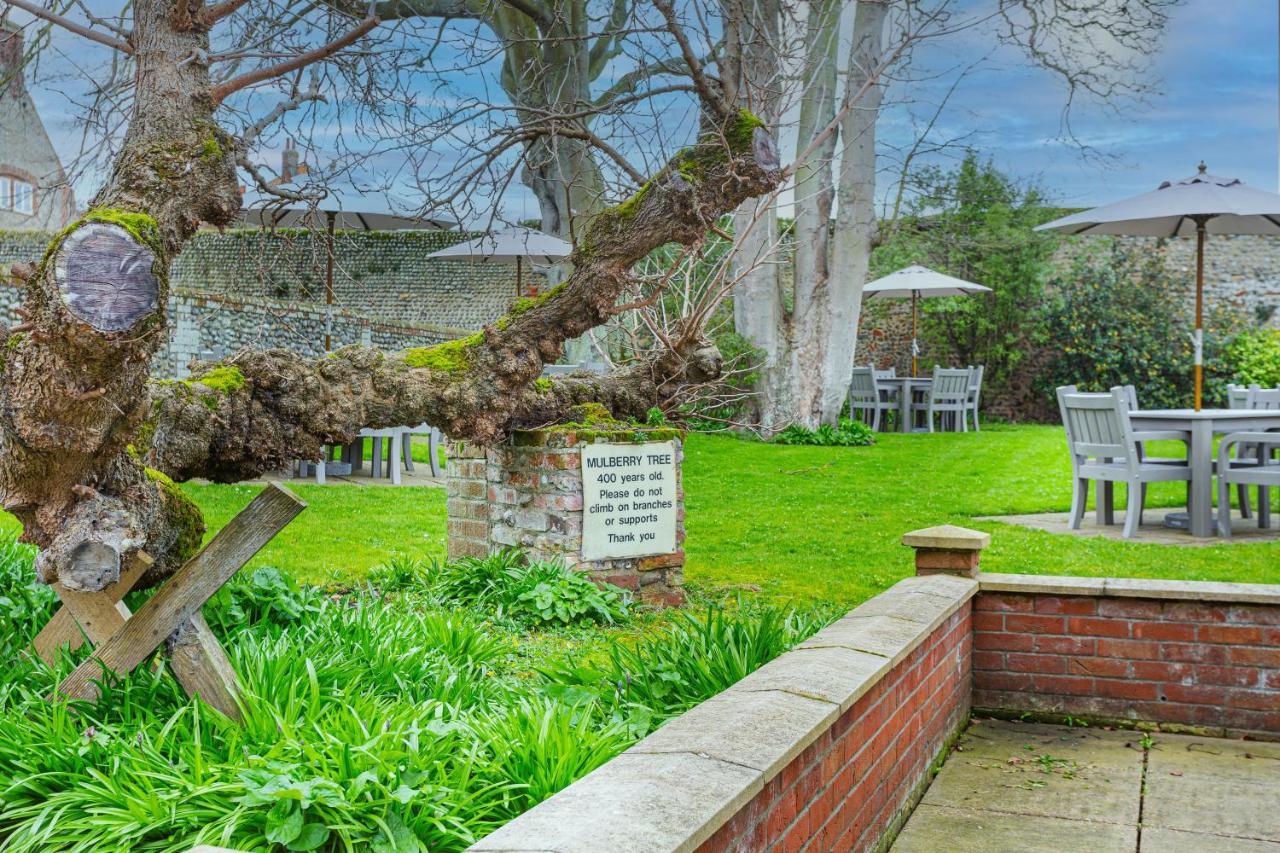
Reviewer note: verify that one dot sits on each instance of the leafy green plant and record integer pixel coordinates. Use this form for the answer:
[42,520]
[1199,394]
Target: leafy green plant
[847,434]
[1253,357]
[262,595]
[691,659]
[533,594]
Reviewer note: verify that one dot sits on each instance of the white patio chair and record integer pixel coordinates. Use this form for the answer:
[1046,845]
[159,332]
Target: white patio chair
[975,394]
[1104,446]
[865,399]
[948,398]
[888,393]
[1245,472]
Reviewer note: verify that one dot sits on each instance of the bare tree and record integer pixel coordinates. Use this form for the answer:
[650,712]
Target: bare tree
[88,445]
[808,330]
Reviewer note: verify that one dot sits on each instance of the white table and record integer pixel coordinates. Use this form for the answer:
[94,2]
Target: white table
[1201,427]
[906,387]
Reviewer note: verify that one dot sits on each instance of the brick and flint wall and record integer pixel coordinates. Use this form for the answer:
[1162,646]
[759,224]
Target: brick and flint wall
[249,288]
[528,493]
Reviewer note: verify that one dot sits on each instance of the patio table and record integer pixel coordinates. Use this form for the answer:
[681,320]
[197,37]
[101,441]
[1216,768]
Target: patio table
[906,386]
[1201,426]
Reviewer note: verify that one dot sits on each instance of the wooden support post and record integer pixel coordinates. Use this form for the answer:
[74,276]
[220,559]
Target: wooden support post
[176,605]
[96,615]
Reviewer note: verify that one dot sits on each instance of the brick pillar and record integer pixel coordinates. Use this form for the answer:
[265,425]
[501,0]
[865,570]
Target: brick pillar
[527,493]
[947,550]
[467,503]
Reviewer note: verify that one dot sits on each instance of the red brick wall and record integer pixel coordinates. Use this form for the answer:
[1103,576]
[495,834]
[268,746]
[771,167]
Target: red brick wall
[1169,661]
[845,789]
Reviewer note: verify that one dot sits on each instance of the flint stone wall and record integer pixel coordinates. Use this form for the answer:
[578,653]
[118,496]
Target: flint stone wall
[528,493]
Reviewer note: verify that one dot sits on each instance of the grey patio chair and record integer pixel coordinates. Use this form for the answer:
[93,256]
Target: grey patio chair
[889,393]
[1240,472]
[975,393]
[865,398]
[1104,446]
[948,398]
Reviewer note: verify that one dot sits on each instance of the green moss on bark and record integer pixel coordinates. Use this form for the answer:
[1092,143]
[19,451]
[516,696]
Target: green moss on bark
[448,357]
[183,515]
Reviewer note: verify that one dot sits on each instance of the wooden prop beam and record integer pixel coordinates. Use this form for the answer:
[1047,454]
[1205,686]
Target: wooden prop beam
[199,662]
[96,615]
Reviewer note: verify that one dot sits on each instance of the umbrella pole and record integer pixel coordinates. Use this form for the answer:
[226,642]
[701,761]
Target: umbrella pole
[518,259]
[328,282]
[1197,338]
[914,296]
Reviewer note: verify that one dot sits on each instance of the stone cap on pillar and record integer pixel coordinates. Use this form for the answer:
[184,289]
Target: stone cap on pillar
[947,549]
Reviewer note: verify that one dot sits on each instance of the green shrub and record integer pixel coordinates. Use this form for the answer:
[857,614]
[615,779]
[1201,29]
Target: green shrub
[847,434]
[1119,316]
[264,595]
[537,594]
[1254,357]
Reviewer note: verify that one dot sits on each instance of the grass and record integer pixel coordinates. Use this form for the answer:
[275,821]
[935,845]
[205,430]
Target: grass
[825,523]
[345,530]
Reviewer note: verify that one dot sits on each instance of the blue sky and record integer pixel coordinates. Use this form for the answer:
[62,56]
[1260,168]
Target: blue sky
[1217,77]
[1217,72]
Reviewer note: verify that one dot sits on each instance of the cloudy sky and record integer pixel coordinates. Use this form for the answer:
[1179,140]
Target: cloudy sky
[1217,74]
[1217,79]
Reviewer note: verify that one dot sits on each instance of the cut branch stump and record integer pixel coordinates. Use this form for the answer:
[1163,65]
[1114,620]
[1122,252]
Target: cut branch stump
[123,641]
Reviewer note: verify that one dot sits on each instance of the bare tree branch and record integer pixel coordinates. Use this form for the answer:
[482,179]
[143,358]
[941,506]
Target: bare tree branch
[69,25]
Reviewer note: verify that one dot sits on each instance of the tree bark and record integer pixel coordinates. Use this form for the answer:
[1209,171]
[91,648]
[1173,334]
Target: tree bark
[812,325]
[855,214]
[74,386]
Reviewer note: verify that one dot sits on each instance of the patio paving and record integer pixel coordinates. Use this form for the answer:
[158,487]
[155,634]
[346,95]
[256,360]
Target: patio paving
[1152,530]
[1014,787]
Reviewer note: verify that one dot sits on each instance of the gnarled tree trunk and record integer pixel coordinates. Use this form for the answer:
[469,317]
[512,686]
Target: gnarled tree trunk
[80,418]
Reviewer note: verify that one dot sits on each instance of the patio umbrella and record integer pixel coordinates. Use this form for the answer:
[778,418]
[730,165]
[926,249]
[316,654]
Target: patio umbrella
[513,245]
[917,282]
[1202,204]
[316,219]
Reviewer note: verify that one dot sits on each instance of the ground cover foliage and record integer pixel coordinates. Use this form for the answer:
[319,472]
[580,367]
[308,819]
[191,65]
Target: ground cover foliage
[416,710]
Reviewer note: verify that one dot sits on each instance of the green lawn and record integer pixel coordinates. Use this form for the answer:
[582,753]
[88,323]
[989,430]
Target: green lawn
[803,523]
[825,523]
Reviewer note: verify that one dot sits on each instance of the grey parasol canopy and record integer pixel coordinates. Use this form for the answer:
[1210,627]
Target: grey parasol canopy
[915,283]
[1200,205]
[512,245]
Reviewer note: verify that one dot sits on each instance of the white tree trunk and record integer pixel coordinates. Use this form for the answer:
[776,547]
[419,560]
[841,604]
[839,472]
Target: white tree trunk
[812,324]
[855,214]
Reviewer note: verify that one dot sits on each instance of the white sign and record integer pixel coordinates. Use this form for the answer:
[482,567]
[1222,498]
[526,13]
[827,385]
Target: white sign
[628,500]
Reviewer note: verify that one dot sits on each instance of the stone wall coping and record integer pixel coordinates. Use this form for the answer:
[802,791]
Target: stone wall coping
[1237,593]
[947,537]
[675,788]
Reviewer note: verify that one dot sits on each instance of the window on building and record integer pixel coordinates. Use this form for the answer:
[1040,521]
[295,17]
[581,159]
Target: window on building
[23,197]
[17,195]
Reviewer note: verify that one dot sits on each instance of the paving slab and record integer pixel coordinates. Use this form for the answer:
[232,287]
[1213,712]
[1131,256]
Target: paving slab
[1043,771]
[1156,840]
[1152,531]
[1209,785]
[933,829]
[1029,787]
